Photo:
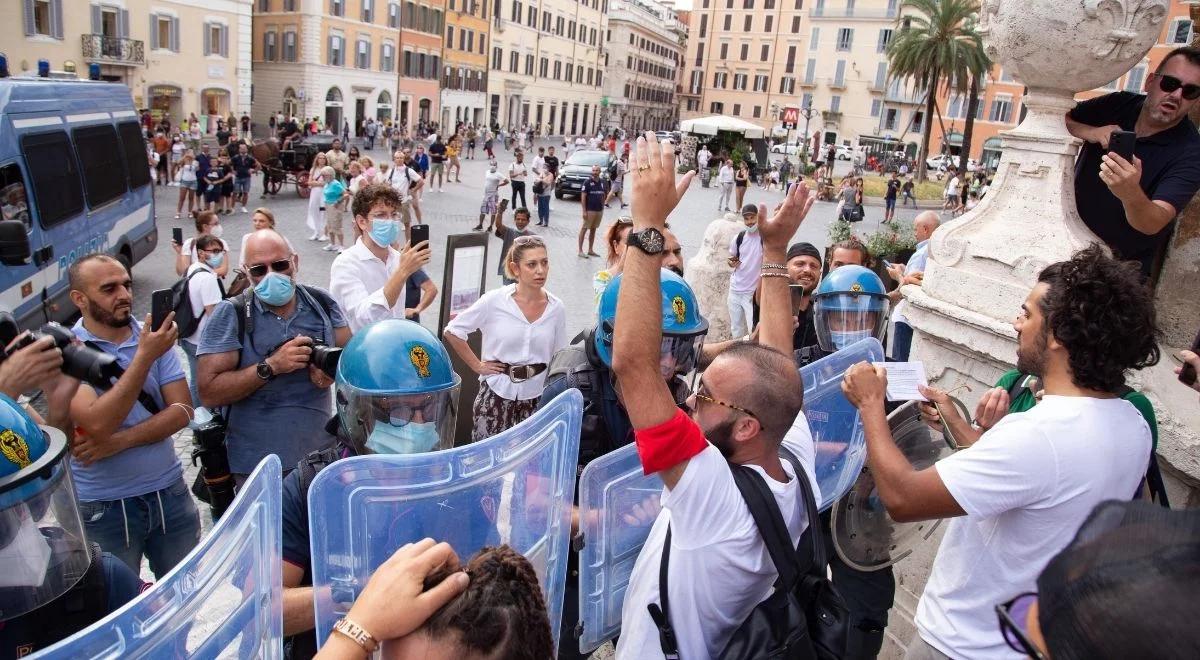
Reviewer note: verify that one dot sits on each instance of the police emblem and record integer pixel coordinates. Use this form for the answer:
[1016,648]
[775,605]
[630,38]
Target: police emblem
[856,288]
[15,448]
[420,359]
[680,309]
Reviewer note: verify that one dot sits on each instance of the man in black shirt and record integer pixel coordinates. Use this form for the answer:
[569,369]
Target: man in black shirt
[804,273]
[1131,206]
[592,201]
[551,161]
[243,168]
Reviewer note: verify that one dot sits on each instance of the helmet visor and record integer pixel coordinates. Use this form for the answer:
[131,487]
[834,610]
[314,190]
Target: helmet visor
[844,318]
[678,355]
[398,423]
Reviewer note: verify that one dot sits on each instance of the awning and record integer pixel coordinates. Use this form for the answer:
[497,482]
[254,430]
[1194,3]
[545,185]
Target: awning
[716,123]
[992,144]
[954,139]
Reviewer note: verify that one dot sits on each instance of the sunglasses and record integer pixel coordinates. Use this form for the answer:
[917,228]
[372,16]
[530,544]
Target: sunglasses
[1013,616]
[703,396]
[1169,84]
[259,270]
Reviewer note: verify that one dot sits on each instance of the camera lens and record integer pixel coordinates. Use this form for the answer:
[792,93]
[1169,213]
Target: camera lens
[326,358]
[91,366]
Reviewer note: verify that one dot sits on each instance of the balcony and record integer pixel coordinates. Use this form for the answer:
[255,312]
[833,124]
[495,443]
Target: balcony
[865,13]
[807,82]
[113,50]
[834,83]
[831,116]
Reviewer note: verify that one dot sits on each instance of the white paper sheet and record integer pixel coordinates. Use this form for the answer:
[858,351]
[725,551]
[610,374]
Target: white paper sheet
[903,379]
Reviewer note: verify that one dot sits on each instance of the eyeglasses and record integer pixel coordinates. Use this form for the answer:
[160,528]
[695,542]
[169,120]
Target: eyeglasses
[624,220]
[1169,84]
[708,399]
[1013,616]
[259,270]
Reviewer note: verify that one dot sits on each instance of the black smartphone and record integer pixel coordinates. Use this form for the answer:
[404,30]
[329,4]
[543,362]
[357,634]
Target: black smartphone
[160,306]
[1121,143]
[1187,375]
[177,235]
[417,234]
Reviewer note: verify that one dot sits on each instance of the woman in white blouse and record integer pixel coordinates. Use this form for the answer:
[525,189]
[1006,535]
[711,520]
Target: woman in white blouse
[523,325]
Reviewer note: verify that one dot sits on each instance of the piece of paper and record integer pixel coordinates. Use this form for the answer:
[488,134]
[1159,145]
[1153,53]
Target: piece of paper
[903,379]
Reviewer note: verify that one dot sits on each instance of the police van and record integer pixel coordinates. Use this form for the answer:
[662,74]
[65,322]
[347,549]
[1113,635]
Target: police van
[74,180]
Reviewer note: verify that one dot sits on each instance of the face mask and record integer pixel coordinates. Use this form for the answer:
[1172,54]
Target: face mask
[753,229]
[275,289]
[412,438]
[217,230]
[842,339]
[26,557]
[384,232]
[215,261]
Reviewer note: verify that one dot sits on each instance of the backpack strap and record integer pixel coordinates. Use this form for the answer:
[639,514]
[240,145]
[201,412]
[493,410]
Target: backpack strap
[662,614]
[1154,480]
[737,243]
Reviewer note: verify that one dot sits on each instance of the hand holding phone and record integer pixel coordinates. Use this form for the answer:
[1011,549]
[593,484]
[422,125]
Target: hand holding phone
[177,235]
[418,234]
[160,305]
[1122,143]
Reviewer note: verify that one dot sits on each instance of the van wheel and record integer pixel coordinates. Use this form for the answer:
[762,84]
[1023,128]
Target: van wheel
[126,261]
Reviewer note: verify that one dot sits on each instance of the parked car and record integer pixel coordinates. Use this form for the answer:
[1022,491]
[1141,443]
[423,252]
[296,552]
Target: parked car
[665,136]
[787,149]
[936,162]
[578,169]
[844,152]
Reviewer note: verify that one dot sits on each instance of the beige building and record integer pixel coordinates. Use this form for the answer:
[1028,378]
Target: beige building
[642,61]
[546,65]
[177,57]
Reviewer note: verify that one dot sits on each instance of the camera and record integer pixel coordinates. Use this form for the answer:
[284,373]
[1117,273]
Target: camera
[326,358]
[80,361]
[214,483]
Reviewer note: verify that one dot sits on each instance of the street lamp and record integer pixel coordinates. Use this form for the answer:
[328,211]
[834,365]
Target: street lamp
[807,112]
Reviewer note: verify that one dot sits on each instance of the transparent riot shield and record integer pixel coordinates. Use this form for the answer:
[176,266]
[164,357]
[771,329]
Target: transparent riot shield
[224,600]
[618,504]
[514,488]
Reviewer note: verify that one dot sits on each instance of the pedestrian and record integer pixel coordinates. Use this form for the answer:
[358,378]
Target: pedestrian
[223,134]
[523,325]
[154,160]
[132,497]
[617,182]
[246,126]
[316,198]
[517,172]
[453,148]
[226,183]
[178,148]
[614,240]
[745,258]
[345,130]
[907,191]
[371,130]
[741,181]
[352,154]
[421,163]
[889,197]
[207,222]
[539,161]
[404,180]
[262,218]
[507,235]
[337,158]
[725,177]
[592,207]
[204,292]
[551,162]
[244,166]
[187,184]
[335,199]
[488,139]
[543,187]
[472,134]
[436,164]
[492,182]
[702,158]
[194,133]
[911,273]
[162,147]
[851,205]
[951,192]
[388,132]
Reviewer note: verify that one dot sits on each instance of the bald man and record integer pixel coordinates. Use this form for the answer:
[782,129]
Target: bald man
[923,227]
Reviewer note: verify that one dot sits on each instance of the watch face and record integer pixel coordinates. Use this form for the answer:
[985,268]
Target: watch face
[264,370]
[652,240]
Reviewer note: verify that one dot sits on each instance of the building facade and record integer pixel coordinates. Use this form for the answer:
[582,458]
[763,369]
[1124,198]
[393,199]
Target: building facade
[177,57]
[642,63]
[690,86]
[421,25]
[465,72]
[546,65]
[332,60]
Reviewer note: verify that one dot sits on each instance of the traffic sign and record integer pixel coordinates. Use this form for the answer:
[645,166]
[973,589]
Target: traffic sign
[790,118]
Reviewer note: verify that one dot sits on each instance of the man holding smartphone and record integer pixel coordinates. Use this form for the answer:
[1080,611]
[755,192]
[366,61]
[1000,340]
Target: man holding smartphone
[1130,203]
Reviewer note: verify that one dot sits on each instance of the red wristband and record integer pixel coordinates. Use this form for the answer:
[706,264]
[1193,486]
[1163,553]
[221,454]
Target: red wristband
[670,443]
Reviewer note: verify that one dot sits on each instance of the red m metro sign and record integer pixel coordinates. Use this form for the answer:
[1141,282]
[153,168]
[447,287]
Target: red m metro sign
[790,117]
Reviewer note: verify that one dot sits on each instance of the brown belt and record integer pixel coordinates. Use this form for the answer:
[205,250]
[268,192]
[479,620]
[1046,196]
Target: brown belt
[522,372]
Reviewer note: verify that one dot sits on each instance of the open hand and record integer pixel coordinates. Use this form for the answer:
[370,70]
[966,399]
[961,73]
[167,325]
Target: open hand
[655,191]
[992,407]
[865,385]
[490,368]
[777,230]
[394,602]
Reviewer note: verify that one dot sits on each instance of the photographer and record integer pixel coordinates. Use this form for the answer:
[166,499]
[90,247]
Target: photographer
[256,357]
[132,496]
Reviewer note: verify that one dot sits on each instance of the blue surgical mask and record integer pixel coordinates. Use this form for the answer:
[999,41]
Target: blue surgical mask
[842,339]
[384,232]
[412,438]
[275,289]
[215,260]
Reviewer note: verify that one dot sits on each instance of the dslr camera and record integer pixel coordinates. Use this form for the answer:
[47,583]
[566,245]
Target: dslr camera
[79,360]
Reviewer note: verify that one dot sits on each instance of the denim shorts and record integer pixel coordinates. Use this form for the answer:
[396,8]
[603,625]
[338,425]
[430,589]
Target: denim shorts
[241,184]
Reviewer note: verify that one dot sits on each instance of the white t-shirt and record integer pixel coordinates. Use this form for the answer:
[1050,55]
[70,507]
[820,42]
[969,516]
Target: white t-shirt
[491,184]
[399,177]
[1026,486]
[952,187]
[517,171]
[719,568]
[725,174]
[203,290]
[702,157]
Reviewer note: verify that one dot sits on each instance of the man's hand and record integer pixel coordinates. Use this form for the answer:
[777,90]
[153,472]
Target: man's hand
[88,449]
[992,407]
[414,257]
[154,343]
[1123,178]
[1101,134]
[410,312]
[319,379]
[395,602]
[29,368]
[655,191]
[865,385]
[896,271]
[777,230]
[292,356]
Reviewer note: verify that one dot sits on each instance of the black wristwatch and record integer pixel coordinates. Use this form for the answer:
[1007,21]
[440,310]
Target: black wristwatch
[265,371]
[649,240]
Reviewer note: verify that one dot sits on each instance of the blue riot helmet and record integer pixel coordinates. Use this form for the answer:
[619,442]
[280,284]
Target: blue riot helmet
[43,548]
[849,304]
[683,328]
[396,390]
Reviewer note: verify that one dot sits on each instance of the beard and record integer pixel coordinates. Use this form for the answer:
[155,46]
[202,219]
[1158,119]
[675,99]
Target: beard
[721,437]
[113,319]
[676,269]
[1034,361]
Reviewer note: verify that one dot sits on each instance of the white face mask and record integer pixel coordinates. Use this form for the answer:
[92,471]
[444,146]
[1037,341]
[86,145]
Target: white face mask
[26,558]
[217,230]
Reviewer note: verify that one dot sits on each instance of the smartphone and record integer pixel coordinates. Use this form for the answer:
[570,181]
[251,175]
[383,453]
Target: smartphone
[1121,143]
[160,306]
[177,235]
[1187,375]
[886,263]
[418,233]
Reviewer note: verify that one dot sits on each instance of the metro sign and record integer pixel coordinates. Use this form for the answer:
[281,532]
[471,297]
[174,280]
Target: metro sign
[790,117]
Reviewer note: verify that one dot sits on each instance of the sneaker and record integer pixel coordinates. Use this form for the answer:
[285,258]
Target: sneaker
[582,256]
[328,247]
[176,216]
[315,237]
[324,238]
[245,211]
[340,248]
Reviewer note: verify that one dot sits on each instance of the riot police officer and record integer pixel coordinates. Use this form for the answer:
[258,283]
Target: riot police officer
[53,583]
[587,366]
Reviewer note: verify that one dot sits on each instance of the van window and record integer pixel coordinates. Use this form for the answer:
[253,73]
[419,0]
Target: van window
[54,174]
[134,145]
[103,165]
[14,205]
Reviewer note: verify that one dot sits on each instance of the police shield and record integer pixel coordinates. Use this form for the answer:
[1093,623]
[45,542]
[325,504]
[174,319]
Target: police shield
[514,488]
[225,599]
[864,535]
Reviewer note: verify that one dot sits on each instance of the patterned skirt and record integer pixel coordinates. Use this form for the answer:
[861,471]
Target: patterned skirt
[493,413]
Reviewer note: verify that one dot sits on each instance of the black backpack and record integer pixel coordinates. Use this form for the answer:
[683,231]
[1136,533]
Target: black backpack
[181,302]
[805,617]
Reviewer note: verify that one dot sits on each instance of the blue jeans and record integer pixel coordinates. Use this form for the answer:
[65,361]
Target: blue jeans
[163,526]
[189,349]
[902,341]
[543,202]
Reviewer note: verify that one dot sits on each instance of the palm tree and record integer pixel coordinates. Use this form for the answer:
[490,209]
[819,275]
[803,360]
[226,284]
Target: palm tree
[937,44]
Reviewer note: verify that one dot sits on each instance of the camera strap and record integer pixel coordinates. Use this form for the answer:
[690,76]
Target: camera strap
[143,397]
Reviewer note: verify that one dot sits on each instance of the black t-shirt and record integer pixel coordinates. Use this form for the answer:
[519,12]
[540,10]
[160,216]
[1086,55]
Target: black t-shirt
[242,165]
[290,128]
[594,192]
[223,137]
[551,163]
[1170,173]
[437,152]
[893,187]
[805,334]
[216,173]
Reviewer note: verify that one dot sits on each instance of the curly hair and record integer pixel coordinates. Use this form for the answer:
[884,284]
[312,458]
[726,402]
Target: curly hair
[502,614]
[372,194]
[1102,311]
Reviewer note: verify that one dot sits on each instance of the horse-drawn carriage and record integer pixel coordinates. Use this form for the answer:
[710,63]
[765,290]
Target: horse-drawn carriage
[287,166]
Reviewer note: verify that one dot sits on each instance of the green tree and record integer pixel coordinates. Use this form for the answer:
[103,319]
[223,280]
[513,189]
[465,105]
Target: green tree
[937,44]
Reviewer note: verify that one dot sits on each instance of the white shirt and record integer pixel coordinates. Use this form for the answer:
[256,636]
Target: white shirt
[719,569]
[508,337]
[917,263]
[952,187]
[203,290]
[398,177]
[725,174]
[517,171]
[491,184]
[1026,486]
[702,157]
[356,281]
[539,164]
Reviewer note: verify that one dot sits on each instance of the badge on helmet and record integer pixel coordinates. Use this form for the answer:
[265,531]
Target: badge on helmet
[849,305]
[682,326]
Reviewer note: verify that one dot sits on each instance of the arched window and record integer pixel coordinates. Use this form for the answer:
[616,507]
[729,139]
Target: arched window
[385,98]
[334,95]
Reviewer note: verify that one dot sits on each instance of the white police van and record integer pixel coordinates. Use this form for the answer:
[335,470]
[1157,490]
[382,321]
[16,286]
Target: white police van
[74,180]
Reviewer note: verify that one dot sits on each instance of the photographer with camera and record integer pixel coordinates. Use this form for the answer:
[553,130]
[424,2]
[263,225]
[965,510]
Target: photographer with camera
[266,354]
[132,496]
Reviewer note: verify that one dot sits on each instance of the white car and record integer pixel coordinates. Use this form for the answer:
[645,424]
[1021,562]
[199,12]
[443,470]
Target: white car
[664,136]
[786,149]
[844,152]
[936,162]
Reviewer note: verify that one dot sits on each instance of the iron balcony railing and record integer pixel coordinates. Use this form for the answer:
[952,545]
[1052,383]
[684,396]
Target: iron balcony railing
[113,50]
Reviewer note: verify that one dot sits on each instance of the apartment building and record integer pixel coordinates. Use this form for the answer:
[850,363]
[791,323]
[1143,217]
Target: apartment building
[690,85]
[1000,106]
[335,60]
[465,72]
[177,57]
[642,64]
[546,65]
[422,23]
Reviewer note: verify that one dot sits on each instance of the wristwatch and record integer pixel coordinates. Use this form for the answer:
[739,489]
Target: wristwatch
[265,371]
[357,634]
[649,240]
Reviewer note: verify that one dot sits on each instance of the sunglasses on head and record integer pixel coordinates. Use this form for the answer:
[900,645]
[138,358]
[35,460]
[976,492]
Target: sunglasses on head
[1169,84]
[259,270]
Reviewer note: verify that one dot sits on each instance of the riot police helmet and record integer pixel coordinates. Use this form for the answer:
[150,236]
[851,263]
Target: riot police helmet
[850,304]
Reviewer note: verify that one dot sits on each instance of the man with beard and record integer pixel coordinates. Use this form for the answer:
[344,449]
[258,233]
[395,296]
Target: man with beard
[1018,494]
[1132,205]
[804,273]
[132,497]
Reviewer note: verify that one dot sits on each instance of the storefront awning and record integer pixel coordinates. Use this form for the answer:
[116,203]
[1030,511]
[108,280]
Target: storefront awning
[954,139]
